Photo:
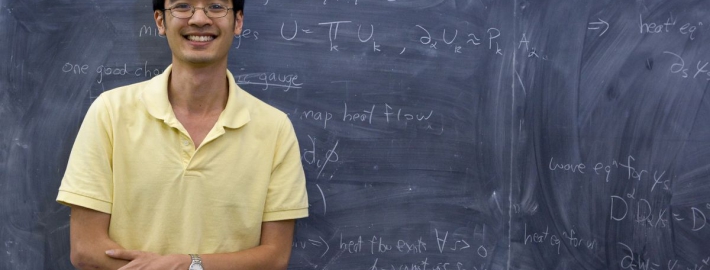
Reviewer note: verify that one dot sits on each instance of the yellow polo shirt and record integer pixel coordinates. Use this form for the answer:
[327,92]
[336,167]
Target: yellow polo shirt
[134,160]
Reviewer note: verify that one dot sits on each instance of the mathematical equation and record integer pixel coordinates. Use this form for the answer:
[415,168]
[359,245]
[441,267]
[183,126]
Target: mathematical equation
[641,212]
[637,261]
[378,246]
[679,67]
[634,205]
[457,40]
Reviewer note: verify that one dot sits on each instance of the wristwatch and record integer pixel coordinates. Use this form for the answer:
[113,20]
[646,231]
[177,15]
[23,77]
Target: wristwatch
[196,262]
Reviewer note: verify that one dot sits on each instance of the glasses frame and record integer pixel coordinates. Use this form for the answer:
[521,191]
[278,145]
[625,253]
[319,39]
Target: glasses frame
[194,9]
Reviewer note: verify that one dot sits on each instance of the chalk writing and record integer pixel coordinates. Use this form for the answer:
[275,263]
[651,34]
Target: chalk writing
[364,116]
[669,25]
[419,265]
[149,31]
[701,69]
[442,240]
[532,52]
[110,71]
[569,238]
[376,244]
[313,157]
[333,30]
[370,114]
[456,39]
[623,208]
[75,69]
[399,116]
[542,238]
[599,25]
[247,34]
[326,1]
[351,246]
[470,39]
[319,243]
[269,79]
[575,168]
[319,116]
[634,261]
[351,1]
[325,205]
[627,167]
[415,247]
[637,261]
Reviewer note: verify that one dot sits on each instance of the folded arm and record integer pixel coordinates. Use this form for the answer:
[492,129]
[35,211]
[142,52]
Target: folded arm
[273,253]
[90,241]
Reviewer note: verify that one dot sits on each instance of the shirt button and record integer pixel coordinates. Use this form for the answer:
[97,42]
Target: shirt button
[185,142]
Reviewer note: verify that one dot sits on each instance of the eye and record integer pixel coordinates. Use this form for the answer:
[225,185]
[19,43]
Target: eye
[182,7]
[216,7]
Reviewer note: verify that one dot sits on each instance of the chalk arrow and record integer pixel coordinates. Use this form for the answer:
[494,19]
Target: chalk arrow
[598,25]
[319,243]
[327,247]
[467,245]
[314,242]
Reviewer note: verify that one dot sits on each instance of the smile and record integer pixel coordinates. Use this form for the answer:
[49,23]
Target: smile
[200,38]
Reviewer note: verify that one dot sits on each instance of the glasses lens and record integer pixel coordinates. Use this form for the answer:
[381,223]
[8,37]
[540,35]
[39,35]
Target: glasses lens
[181,11]
[216,11]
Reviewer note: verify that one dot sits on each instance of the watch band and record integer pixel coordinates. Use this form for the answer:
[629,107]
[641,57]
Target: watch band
[196,262]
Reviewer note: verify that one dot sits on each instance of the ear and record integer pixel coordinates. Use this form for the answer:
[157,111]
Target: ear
[160,21]
[238,23]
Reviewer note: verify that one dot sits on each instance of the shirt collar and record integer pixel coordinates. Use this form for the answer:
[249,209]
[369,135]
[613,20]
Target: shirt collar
[155,98]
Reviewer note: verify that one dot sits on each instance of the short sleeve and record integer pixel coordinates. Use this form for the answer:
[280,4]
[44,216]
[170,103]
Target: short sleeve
[88,180]
[286,197]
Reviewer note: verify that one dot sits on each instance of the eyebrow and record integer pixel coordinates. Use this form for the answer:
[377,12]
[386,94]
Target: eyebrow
[222,1]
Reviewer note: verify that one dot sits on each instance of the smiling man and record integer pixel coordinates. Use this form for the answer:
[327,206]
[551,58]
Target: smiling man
[187,170]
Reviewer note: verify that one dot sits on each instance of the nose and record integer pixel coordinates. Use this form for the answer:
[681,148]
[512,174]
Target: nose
[200,18]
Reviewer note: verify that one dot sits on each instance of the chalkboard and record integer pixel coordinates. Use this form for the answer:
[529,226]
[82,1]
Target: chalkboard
[435,134]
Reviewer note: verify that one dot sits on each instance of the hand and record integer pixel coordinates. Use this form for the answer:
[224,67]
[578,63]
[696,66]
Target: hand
[147,260]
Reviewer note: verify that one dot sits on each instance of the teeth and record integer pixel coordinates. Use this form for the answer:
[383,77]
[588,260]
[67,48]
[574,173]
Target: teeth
[200,38]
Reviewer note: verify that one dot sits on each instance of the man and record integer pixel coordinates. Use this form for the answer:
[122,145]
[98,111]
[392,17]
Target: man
[185,171]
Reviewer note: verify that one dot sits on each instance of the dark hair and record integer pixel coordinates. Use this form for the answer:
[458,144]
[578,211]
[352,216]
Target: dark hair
[238,5]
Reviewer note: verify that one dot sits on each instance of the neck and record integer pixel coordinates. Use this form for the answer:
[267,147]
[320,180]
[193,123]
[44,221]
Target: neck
[198,90]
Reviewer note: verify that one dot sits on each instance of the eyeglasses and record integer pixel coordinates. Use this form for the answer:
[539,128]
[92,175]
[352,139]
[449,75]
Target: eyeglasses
[185,11]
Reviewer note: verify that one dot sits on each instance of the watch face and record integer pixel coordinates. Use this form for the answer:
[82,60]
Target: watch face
[196,262]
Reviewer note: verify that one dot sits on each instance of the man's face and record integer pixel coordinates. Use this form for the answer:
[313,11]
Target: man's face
[199,40]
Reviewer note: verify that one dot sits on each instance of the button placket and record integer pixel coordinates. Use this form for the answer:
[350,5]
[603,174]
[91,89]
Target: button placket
[186,151]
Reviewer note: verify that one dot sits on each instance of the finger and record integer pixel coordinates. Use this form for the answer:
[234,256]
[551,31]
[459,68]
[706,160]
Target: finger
[130,265]
[123,254]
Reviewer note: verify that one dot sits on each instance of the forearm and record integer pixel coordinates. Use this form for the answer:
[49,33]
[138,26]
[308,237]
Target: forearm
[91,255]
[260,257]
[90,240]
[273,252]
